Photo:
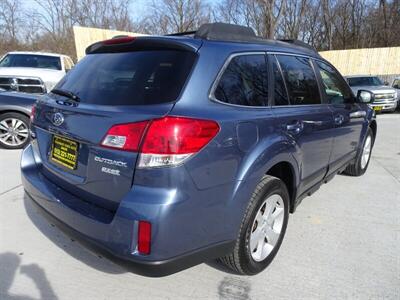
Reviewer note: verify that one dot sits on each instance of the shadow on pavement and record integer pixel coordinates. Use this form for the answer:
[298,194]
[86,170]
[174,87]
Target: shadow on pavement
[9,265]
[68,245]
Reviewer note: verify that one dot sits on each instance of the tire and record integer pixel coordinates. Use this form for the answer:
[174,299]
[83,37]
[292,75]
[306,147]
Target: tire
[360,166]
[245,260]
[14,131]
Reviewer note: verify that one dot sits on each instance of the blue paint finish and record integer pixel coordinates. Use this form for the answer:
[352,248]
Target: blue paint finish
[201,202]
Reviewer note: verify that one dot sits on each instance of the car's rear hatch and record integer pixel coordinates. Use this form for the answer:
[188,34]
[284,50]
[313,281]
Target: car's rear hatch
[116,84]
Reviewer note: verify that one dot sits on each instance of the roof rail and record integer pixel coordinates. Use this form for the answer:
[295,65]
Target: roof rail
[298,43]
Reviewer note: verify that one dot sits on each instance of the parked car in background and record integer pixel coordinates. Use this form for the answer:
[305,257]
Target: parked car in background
[396,86]
[15,109]
[33,72]
[385,97]
[193,148]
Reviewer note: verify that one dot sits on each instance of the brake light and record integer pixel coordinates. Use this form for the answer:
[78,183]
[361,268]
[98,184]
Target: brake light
[144,237]
[162,142]
[125,136]
[171,140]
[119,40]
[33,111]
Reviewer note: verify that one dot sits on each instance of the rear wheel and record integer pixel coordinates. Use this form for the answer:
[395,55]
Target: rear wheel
[263,228]
[14,130]
[359,167]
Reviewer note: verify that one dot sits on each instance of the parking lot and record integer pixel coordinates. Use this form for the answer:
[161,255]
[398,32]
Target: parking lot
[343,242]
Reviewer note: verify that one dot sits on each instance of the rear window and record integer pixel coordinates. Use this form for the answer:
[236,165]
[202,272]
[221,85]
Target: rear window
[31,61]
[129,78]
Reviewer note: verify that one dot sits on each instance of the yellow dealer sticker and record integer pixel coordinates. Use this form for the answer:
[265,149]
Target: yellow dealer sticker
[65,152]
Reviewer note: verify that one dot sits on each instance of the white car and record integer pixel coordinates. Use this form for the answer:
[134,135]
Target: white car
[33,72]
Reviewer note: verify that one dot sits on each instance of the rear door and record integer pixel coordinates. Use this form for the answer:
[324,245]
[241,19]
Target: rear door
[302,117]
[348,116]
[109,89]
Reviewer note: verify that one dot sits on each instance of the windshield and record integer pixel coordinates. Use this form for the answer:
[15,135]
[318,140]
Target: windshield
[129,78]
[31,61]
[364,81]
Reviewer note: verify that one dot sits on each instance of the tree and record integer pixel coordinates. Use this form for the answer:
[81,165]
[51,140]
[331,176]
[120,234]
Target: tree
[170,16]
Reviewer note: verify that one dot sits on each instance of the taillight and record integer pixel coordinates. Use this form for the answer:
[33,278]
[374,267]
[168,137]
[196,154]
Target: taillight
[33,111]
[166,142]
[125,136]
[171,140]
[144,237]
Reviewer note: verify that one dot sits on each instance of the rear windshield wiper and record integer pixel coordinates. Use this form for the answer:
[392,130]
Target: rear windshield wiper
[67,94]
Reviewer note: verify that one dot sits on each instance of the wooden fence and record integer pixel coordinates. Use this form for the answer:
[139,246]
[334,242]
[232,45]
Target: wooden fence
[85,36]
[373,61]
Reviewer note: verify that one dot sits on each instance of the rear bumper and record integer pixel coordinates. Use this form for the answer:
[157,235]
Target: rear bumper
[116,240]
[146,268]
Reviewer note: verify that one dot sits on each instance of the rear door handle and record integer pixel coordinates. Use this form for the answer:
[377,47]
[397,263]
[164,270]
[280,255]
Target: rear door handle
[296,127]
[339,119]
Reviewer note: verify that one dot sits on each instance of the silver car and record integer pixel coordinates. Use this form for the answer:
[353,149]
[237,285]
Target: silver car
[385,97]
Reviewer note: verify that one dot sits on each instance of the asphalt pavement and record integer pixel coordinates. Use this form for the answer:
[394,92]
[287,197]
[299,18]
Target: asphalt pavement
[342,243]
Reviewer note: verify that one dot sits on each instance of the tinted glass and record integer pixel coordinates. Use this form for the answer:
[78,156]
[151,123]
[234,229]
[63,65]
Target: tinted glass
[31,61]
[129,78]
[396,83]
[364,81]
[300,80]
[280,95]
[244,81]
[335,88]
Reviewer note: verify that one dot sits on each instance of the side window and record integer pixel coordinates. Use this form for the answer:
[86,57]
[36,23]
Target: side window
[335,88]
[244,81]
[300,80]
[280,94]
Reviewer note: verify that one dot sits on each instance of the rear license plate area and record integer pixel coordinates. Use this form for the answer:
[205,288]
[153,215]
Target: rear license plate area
[64,152]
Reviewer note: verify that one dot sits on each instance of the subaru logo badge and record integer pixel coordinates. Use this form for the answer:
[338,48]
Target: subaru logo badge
[57,119]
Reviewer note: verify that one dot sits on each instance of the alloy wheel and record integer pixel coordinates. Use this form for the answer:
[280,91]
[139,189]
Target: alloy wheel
[267,227]
[13,132]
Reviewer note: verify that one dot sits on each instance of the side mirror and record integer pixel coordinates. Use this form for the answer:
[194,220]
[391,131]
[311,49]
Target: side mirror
[365,96]
[386,83]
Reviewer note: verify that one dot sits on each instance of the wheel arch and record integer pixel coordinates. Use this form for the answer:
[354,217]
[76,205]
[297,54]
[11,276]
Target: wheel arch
[284,170]
[21,112]
[277,159]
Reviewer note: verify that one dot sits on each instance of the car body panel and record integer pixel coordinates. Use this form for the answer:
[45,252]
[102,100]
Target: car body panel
[17,102]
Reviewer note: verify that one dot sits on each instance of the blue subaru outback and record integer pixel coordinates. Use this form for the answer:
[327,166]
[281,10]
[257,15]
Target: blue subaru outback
[162,152]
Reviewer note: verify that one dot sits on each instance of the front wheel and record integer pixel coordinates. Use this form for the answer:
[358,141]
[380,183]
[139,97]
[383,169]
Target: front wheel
[262,230]
[361,163]
[14,131]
